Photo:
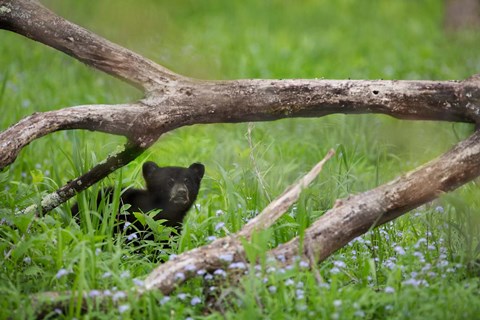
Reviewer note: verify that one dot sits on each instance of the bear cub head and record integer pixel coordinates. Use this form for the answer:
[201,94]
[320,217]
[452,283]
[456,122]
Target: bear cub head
[173,189]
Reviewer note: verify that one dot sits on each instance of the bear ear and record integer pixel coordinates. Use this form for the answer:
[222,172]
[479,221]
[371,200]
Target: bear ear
[149,167]
[199,170]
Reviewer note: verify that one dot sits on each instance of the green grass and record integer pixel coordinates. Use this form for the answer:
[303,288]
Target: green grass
[423,265]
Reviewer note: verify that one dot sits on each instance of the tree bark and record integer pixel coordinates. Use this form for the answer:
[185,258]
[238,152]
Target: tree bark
[252,100]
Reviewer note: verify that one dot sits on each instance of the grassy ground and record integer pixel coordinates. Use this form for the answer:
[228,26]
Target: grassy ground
[420,266]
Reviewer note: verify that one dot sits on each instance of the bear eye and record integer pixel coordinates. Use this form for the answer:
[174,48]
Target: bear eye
[186,180]
[171,182]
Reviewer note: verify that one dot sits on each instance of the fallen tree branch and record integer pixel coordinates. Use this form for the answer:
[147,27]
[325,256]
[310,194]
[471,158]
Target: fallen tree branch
[116,119]
[252,100]
[357,214]
[172,101]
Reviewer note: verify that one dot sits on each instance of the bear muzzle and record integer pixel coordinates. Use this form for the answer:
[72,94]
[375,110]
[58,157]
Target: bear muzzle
[179,194]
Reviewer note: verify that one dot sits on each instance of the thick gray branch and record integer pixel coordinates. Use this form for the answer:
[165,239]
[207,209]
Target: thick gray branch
[130,120]
[172,101]
[30,19]
[252,100]
[263,100]
[357,214]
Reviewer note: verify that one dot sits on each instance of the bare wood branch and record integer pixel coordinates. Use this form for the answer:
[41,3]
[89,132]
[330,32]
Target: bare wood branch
[30,19]
[253,100]
[357,214]
[127,120]
[266,100]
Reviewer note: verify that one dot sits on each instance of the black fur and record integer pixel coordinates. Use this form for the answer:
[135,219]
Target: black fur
[173,190]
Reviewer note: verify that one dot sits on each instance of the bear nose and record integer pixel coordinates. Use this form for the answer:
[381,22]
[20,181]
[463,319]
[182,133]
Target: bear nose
[182,192]
[179,194]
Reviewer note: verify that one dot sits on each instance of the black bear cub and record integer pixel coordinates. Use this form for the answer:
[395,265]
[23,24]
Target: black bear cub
[173,190]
